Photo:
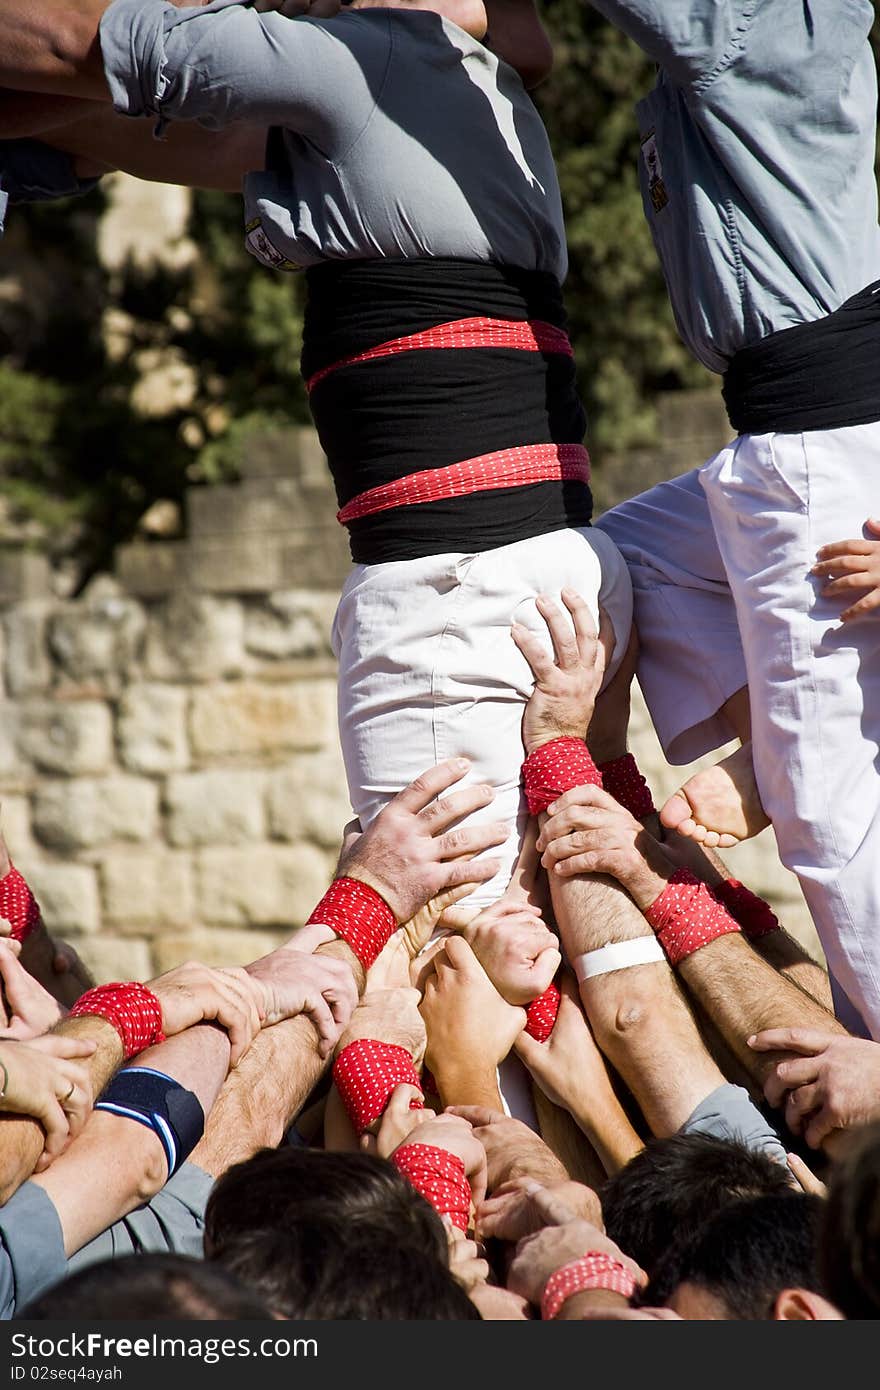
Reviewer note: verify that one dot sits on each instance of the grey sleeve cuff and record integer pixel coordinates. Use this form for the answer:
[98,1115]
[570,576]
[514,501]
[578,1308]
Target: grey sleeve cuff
[32,172]
[32,1253]
[728,1113]
[133,37]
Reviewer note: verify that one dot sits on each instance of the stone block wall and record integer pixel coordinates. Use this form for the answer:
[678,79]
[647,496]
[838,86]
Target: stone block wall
[170,778]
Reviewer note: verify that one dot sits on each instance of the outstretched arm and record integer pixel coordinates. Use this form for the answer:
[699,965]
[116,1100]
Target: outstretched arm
[188,154]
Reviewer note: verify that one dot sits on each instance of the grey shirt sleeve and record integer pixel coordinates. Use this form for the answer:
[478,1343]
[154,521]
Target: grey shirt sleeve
[690,39]
[173,1221]
[224,62]
[31,1248]
[32,172]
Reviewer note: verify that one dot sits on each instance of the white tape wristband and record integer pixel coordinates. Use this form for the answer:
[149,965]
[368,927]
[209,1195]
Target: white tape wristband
[618,955]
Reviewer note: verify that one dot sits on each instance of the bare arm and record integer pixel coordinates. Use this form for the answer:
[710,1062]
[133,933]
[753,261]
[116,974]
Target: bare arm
[53,47]
[22,1139]
[118,1164]
[28,114]
[266,1092]
[187,154]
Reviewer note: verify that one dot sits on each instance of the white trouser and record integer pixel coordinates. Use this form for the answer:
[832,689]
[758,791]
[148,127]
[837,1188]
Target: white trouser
[690,653]
[769,503]
[428,669]
[814,682]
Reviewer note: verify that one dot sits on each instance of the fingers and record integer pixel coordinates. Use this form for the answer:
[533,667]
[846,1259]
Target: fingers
[862,606]
[318,1010]
[47,1109]
[550,1207]
[472,839]
[842,553]
[806,1041]
[534,651]
[235,1002]
[587,795]
[816,1131]
[786,1076]
[57,1045]
[846,585]
[430,784]
[579,816]
[805,1177]
[476,1115]
[799,1105]
[562,635]
[446,810]
[473,873]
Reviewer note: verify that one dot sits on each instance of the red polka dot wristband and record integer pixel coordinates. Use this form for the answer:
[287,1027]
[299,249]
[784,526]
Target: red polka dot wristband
[622,780]
[134,1011]
[440,1177]
[356,913]
[18,906]
[756,917]
[541,1013]
[555,768]
[593,1271]
[686,917]
[366,1072]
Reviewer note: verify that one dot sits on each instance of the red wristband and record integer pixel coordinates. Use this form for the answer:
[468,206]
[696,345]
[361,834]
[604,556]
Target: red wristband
[593,1271]
[440,1177]
[541,1013]
[356,913]
[555,768]
[134,1011]
[622,780]
[366,1072]
[18,906]
[756,917]
[686,916]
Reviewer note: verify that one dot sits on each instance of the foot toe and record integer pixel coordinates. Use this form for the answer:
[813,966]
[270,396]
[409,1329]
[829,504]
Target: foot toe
[676,812]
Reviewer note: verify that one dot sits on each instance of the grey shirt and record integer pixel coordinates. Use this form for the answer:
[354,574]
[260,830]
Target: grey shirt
[31,172]
[31,1248]
[395,134]
[757,166]
[32,1256]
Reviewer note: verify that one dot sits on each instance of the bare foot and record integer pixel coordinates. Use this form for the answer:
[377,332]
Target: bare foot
[721,806]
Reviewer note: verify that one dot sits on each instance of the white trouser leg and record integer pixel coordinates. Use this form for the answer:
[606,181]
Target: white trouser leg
[690,654]
[814,682]
[428,669]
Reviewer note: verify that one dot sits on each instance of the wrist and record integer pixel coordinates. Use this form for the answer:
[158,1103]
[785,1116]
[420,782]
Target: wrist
[594,1271]
[465,1084]
[589,1302]
[308,939]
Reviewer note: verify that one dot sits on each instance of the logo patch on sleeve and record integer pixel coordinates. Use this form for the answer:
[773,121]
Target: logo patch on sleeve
[656,186]
[260,246]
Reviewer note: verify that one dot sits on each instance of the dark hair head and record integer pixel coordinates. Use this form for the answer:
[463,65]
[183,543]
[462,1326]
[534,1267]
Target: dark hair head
[669,1189]
[280,1188]
[746,1255]
[849,1244]
[154,1287]
[324,1268]
[332,1235]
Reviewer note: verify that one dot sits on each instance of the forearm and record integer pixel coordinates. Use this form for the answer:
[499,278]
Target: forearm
[21,1139]
[603,1120]
[796,965]
[187,154]
[469,1085]
[264,1094]
[743,994]
[52,47]
[29,114]
[118,1164]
